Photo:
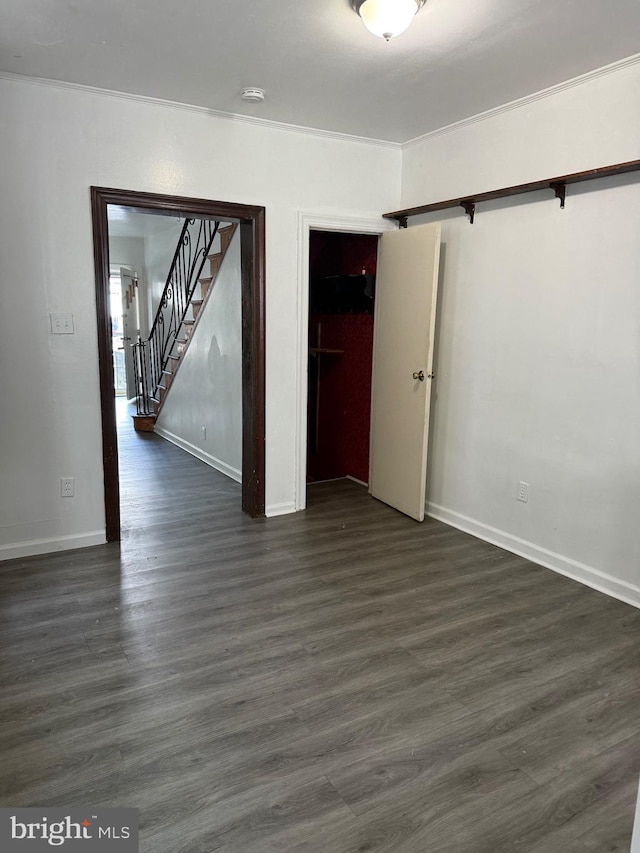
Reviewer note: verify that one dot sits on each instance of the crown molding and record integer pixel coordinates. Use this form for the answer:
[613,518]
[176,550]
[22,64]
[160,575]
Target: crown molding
[627,62]
[206,111]
[589,76]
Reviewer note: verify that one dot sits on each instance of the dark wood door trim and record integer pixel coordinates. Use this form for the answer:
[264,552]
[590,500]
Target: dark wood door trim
[252,237]
[252,250]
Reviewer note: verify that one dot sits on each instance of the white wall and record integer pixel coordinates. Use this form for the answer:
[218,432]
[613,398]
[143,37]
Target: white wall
[538,360]
[583,126]
[159,249]
[207,390]
[129,252]
[56,142]
[150,256]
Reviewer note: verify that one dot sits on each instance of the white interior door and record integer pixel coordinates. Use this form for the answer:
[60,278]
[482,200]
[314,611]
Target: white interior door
[635,839]
[130,324]
[405,314]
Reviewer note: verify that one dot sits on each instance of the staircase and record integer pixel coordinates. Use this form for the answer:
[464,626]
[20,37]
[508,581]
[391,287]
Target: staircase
[189,285]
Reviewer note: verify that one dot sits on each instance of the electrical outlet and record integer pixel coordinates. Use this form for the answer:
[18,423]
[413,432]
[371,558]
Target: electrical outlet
[204,433]
[523,492]
[67,487]
[61,324]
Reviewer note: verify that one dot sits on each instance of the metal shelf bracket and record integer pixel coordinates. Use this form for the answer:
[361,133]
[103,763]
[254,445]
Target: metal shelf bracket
[560,189]
[470,209]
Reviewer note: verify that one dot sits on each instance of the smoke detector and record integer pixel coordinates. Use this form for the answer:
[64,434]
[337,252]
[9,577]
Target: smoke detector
[252,94]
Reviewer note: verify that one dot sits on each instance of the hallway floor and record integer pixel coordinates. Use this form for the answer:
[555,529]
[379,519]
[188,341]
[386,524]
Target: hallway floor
[338,681]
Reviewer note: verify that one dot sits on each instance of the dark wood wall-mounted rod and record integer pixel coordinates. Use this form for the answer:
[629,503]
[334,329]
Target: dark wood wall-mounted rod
[558,185]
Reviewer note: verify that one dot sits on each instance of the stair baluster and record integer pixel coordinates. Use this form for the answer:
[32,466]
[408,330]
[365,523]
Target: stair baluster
[152,355]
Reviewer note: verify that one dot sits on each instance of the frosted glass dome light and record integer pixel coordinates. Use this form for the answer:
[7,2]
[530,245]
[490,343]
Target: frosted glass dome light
[387,18]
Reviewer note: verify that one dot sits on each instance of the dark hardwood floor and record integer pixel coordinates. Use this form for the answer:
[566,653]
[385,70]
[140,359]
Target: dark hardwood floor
[339,681]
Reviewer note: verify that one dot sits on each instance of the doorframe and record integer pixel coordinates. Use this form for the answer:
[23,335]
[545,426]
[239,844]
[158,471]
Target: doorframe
[252,252]
[307,222]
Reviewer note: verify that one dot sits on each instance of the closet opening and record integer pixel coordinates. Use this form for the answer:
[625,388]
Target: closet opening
[342,276]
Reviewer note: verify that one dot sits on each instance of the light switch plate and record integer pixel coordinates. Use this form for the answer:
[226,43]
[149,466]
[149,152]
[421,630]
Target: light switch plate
[61,324]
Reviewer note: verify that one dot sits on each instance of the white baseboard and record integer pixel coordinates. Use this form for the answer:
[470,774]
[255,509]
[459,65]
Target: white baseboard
[337,480]
[280,509]
[356,480]
[622,590]
[200,454]
[50,546]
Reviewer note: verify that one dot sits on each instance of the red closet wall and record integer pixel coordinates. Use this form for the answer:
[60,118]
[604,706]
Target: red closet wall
[341,254]
[342,446]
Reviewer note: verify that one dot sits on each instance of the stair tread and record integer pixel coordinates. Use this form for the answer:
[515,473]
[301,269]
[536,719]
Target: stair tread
[197,301]
[188,322]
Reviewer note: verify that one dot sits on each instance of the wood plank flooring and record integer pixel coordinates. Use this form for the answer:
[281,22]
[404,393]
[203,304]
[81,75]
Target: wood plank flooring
[339,681]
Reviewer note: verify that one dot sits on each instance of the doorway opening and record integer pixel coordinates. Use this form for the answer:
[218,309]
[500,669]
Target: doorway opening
[117,334]
[403,356]
[251,221]
[125,325]
[342,274]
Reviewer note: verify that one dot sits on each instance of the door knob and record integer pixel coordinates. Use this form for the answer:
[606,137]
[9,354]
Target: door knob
[419,375]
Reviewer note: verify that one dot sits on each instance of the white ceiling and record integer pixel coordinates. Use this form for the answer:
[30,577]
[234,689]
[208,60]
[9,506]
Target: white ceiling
[126,222]
[320,66]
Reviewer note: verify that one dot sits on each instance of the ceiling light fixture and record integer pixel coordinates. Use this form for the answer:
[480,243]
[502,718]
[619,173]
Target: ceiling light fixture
[387,18]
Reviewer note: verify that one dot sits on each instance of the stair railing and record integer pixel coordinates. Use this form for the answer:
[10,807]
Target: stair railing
[152,354]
